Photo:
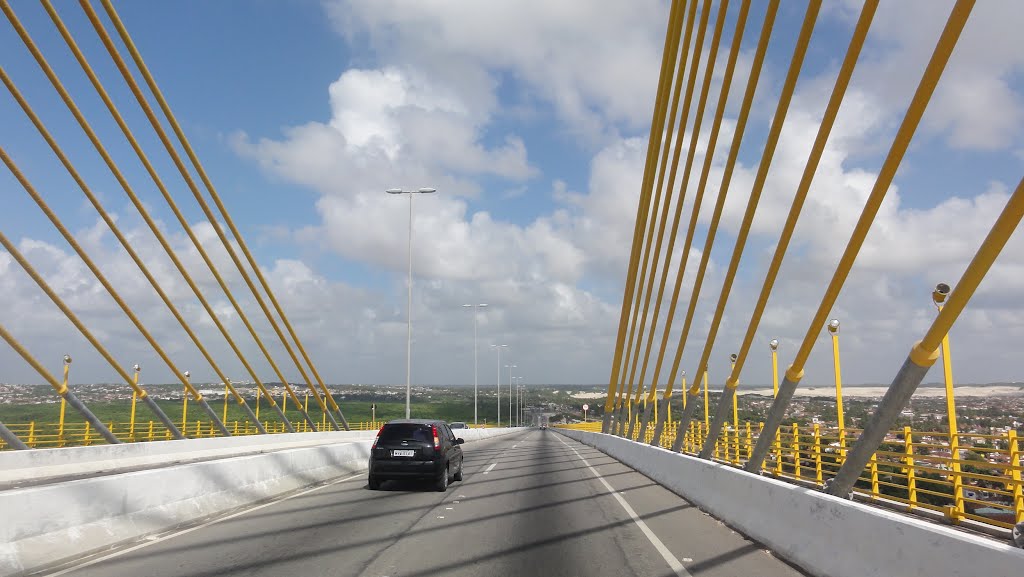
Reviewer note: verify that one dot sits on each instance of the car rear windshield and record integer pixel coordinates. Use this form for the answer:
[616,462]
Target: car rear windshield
[407,432]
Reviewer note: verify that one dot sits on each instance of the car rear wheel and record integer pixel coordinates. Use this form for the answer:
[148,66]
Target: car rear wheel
[442,483]
[458,474]
[373,483]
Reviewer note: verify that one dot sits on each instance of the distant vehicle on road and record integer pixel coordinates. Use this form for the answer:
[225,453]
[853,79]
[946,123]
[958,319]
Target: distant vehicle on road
[458,425]
[415,449]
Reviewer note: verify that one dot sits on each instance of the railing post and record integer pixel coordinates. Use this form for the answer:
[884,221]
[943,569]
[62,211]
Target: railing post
[778,450]
[908,450]
[236,427]
[149,436]
[1013,446]
[817,454]
[60,425]
[750,440]
[874,475]
[32,434]
[796,451]
[85,436]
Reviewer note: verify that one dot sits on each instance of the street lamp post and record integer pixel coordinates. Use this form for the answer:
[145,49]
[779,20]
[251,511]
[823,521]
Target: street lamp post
[499,347]
[408,340]
[510,395]
[939,296]
[833,329]
[476,371]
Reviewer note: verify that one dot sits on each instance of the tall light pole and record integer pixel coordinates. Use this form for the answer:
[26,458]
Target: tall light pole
[510,395]
[939,296]
[499,347]
[474,308]
[833,329]
[519,400]
[408,340]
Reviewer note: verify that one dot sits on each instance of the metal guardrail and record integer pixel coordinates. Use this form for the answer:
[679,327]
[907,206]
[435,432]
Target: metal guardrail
[916,469]
[40,435]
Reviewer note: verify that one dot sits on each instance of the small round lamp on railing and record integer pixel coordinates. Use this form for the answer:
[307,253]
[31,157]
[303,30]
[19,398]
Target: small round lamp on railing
[940,293]
[773,344]
[833,326]
[67,359]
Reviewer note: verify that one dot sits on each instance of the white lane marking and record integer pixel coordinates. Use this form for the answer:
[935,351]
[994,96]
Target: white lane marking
[448,508]
[488,469]
[673,563]
[514,446]
[154,540]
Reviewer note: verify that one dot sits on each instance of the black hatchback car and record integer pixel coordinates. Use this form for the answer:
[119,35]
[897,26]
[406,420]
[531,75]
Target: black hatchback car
[415,449]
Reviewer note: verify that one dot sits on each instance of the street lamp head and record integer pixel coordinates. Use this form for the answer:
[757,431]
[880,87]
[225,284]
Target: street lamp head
[426,190]
[684,374]
[187,374]
[833,326]
[394,191]
[940,293]
[137,368]
[733,357]
[67,359]
[774,344]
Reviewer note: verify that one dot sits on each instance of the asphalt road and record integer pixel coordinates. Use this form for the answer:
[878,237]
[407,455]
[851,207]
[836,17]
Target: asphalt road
[533,503]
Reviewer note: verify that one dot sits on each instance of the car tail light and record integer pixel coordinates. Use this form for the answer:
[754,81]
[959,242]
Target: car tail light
[437,441]
[377,438]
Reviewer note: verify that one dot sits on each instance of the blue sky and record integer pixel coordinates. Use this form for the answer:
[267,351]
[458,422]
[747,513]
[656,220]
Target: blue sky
[531,120]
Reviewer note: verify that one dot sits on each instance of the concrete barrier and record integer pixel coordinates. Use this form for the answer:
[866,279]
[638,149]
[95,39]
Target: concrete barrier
[44,465]
[822,534]
[47,524]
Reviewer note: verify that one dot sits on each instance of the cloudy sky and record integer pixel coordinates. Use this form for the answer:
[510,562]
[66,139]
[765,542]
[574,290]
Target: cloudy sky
[531,120]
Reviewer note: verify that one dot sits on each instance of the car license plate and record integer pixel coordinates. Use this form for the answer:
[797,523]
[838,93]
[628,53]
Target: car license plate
[403,453]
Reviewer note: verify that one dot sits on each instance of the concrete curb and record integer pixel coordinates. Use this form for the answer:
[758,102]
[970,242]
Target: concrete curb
[52,523]
[822,534]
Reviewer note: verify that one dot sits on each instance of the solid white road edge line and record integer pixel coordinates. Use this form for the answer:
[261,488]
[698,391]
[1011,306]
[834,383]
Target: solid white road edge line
[671,559]
[198,527]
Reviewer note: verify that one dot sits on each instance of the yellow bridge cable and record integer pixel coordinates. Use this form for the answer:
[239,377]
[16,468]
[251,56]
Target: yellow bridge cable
[684,184]
[997,238]
[57,385]
[817,149]
[687,102]
[122,67]
[99,275]
[768,152]
[778,120]
[60,387]
[153,227]
[654,256]
[709,69]
[73,108]
[933,71]
[924,353]
[110,223]
[723,189]
[957,20]
[650,213]
[151,82]
[730,69]
[643,206]
[41,60]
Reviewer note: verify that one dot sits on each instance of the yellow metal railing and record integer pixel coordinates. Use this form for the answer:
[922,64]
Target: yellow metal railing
[917,469]
[38,435]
